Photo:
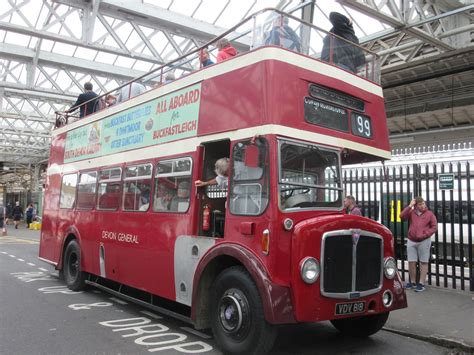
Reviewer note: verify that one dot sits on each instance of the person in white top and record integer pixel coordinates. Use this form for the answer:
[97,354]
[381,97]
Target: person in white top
[129,91]
[222,178]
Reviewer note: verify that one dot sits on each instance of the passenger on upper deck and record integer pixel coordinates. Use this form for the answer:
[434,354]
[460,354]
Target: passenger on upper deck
[226,50]
[344,55]
[110,100]
[205,57]
[87,95]
[169,77]
[129,91]
[283,35]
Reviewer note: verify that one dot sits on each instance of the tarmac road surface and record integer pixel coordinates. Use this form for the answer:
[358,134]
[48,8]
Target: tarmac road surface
[39,315]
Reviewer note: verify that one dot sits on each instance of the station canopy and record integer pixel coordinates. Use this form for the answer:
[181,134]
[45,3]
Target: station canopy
[49,48]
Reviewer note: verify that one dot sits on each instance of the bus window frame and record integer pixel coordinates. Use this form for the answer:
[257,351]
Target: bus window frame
[178,174]
[263,181]
[73,206]
[94,205]
[99,181]
[280,141]
[136,178]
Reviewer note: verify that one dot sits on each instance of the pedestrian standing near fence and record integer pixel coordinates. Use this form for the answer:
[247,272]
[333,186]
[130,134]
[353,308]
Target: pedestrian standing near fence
[423,225]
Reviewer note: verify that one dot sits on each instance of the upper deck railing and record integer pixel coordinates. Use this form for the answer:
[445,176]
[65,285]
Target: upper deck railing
[267,27]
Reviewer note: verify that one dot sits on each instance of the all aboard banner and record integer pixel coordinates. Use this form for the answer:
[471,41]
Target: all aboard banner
[168,118]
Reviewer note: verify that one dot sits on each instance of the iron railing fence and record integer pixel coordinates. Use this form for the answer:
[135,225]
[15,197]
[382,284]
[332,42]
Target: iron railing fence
[382,192]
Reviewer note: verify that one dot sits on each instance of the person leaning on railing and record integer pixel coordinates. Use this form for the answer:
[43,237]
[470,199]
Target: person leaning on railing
[89,107]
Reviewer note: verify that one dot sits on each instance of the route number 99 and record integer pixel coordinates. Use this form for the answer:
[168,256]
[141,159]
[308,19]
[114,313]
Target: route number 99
[361,125]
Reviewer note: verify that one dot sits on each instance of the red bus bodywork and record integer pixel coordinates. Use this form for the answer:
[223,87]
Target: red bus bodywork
[260,93]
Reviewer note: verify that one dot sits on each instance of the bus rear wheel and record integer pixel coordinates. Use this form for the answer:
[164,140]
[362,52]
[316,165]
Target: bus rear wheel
[237,318]
[361,326]
[73,276]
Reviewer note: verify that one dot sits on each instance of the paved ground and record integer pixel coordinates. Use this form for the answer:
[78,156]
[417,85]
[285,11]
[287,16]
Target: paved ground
[40,316]
[441,315]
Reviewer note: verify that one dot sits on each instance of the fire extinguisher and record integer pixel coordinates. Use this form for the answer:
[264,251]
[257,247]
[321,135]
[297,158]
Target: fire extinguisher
[206,217]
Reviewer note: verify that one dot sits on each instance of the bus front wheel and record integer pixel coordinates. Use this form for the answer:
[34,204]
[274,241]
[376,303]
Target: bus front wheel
[361,326]
[237,318]
[74,277]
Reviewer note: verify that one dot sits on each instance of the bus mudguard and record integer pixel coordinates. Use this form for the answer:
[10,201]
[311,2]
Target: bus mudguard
[276,299]
[70,231]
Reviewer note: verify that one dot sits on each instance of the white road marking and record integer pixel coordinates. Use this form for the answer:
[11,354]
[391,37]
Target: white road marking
[11,256]
[20,260]
[117,300]
[40,268]
[96,291]
[195,332]
[4,252]
[31,264]
[152,315]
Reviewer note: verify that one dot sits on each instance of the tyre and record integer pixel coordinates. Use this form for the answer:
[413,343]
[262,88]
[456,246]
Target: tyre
[237,318]
[361,326]
[73,276]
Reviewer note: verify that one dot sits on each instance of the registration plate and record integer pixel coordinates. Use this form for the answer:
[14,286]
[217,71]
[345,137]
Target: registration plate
[350,308]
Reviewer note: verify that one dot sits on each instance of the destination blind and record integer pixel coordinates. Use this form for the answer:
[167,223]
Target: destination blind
[326,115]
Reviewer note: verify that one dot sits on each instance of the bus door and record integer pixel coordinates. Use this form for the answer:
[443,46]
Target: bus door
[249,187]
[211,200]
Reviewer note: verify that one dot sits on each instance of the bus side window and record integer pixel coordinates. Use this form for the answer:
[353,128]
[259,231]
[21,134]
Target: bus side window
[68,191]
[137,187]
[109,189]
[173,185]
[86,190]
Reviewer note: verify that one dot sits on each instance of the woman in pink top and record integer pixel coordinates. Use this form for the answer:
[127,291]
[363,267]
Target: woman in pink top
[423,225]
[226,51]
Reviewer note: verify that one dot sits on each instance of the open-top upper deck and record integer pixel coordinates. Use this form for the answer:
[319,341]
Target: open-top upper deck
[268,90]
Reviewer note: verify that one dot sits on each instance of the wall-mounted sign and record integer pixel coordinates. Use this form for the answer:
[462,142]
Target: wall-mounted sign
[446,181]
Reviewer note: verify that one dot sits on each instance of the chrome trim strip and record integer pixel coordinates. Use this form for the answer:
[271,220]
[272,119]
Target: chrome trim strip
[347,295]
[48,261]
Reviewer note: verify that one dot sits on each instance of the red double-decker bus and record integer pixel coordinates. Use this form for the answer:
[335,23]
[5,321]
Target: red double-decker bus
[274,246]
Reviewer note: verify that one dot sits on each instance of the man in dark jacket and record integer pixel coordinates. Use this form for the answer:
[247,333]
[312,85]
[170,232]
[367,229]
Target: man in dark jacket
[344,54]
[422,226]
[87,95]
[17,214]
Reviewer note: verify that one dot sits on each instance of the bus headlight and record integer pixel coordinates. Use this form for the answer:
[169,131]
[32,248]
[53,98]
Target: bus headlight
[390,268]
[310,270]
